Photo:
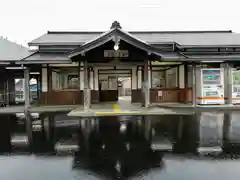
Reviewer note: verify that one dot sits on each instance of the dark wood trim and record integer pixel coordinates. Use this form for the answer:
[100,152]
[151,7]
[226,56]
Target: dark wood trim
[113,69]
[79,75]
[49,82]
[93,70]
[186,83]
[150,67]
[178,76]
[114,73]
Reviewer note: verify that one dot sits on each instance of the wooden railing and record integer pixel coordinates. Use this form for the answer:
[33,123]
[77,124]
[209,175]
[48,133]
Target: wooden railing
[163,95]
[108,95]
[73,96]
[66,97]
[61,97]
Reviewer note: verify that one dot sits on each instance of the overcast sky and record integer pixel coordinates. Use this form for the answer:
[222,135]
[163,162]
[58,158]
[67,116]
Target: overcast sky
[23,20]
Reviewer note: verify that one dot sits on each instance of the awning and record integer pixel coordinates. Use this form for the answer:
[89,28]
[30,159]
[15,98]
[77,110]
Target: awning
[211,58]
[45,58]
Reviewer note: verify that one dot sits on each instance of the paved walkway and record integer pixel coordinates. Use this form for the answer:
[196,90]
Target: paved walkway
[122,108]
[201,108]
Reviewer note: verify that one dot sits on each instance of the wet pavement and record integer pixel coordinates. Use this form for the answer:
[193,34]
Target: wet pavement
[202,146]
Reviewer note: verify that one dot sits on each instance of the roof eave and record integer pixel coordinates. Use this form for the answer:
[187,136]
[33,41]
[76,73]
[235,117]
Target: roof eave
[57,44]
[210,46]
[44,62]
[82,50]
[5,62]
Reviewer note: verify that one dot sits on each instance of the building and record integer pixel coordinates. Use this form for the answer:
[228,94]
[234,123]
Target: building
[20,93]
[10,52]
[84,67]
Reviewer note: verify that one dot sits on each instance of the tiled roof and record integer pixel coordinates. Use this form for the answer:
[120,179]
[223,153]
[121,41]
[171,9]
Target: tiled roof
[10,51]
[38,57]
[183,38]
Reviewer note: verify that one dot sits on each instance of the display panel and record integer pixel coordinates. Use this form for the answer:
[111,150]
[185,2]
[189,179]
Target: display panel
[212,93]
[211,76]
[236,84]
[236,77]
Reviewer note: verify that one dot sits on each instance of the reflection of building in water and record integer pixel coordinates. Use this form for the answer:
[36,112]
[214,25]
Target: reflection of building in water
[210,132]
[234,129]
[161,144]
[231,133]
[118,154]
[236,86]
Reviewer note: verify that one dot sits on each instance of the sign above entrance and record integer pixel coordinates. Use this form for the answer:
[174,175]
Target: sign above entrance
[113,53]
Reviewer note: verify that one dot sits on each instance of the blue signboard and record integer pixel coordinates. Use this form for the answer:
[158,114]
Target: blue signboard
[35,87]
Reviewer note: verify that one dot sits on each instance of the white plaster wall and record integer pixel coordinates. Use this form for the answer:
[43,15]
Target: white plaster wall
[65,79]
[44,80]
[181,76]
[81,79]
[149,78]
[91,79]
[139,78]
[95,81]
[127,83]
[54,80]
[134,78]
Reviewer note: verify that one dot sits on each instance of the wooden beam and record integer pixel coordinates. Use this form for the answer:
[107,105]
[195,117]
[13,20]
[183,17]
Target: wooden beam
[228,83]
[186,83]
[146,85]
[26,88]
[194,85]
[27,105]
[87,91]
[49,83]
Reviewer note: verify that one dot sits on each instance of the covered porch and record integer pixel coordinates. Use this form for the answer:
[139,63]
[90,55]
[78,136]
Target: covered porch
[91,73]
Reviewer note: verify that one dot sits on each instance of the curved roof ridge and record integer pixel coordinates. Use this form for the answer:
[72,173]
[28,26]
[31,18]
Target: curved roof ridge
[143,32]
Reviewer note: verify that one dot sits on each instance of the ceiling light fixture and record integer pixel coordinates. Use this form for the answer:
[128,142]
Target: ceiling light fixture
[116,43]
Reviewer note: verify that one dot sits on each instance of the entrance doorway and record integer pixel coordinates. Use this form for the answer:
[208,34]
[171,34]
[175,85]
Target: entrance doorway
[124,88]
[115,85]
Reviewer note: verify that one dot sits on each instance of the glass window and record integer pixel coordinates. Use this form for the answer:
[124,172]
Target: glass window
[158,79]
[190,76]
[172,78]
[19,94]
[73,81]
[236,77]
[33,94]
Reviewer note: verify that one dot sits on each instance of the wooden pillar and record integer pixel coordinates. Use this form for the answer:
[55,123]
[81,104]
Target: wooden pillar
[139,78]
[7,92]
[194,84]
[26,88]
[96,83]
[147,125]
[145,88]
[91,78]
[51,132]
[39,84]
[228,83]
[226,132]
[79,75]
[186,83]
[27,105]
[49,84]
[87,91]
